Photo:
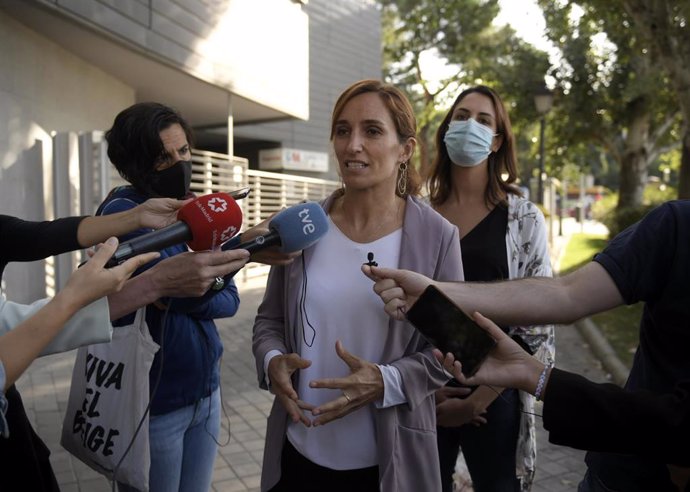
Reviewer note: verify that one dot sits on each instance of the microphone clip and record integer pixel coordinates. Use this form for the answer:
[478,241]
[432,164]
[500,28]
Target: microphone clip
[370,258]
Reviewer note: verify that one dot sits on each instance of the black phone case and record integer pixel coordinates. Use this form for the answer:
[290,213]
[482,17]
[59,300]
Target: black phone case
[449,329]
[241,193]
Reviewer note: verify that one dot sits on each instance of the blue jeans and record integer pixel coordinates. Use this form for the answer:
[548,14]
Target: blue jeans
[183,447]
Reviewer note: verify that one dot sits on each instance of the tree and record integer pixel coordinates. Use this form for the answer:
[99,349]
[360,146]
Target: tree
[665,24]
[614,95]
[461,33]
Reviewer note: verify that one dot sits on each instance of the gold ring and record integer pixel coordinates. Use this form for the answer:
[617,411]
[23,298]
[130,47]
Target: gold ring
[347,397]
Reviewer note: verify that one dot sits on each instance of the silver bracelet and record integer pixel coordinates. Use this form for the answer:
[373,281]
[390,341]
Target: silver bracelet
[540,383]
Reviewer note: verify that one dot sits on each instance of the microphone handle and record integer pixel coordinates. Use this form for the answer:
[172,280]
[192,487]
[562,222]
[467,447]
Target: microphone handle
[175,233]
[253,245]
[260,242]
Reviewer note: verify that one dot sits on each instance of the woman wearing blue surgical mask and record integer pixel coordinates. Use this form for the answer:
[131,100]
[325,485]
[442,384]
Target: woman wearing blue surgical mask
[502,235]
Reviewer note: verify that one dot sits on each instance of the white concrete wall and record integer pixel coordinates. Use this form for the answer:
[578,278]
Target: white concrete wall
[43,89]
[257,49]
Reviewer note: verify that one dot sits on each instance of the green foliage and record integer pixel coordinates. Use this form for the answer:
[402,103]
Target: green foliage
[657,193]
[614,97]
[664,23]
[620,326]
[619,219]
[604,206]
[580,250]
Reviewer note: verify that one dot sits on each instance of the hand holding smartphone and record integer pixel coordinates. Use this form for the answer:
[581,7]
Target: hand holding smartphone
[449,329]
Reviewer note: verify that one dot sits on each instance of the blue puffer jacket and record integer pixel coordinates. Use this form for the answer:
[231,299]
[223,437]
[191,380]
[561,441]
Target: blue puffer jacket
[191,348]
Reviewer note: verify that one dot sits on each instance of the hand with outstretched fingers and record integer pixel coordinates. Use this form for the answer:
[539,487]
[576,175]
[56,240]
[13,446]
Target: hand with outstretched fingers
[93,280]
[280,370]
[363,386]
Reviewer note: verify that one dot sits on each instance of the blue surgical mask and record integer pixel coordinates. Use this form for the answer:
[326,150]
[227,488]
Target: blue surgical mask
[468,143]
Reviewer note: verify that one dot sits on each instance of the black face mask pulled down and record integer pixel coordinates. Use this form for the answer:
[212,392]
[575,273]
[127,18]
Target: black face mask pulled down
[174,181]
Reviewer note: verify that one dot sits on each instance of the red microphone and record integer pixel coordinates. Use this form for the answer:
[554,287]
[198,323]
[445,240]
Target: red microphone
[204,223]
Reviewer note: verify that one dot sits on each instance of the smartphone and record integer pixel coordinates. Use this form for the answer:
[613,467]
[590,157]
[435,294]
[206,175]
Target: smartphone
[241,193]
[449,329]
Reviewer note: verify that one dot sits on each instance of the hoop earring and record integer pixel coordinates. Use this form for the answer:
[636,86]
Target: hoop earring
[402,179]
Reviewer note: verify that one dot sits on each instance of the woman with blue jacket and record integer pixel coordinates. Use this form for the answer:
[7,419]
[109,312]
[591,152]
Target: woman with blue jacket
[149,144]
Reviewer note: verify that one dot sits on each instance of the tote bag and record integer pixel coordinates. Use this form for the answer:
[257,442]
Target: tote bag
[107,402]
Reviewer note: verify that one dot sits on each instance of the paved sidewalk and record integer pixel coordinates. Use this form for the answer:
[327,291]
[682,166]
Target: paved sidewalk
[45,388]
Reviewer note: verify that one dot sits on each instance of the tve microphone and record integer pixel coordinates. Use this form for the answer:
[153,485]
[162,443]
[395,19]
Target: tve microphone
[293,229]
[204,223]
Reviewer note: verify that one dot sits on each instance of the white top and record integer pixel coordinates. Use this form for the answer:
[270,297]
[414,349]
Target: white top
[341,305]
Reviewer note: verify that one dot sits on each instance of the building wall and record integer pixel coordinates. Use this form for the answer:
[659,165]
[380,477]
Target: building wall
[218,42]
[299,59]
[344,46]
[43,89]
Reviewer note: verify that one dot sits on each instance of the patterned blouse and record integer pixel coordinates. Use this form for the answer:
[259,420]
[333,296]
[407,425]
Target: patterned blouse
[528,256]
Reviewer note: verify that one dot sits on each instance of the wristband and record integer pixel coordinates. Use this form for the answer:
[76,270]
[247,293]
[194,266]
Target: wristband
[540,383]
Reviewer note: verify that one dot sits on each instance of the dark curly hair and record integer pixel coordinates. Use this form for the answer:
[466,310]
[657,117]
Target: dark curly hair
[134,143]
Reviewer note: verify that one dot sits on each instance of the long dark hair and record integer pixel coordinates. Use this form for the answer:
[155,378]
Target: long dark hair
[502,161]
[134,142]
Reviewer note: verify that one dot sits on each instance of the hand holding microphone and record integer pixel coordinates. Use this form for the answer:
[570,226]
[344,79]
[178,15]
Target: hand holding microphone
[204,223]
[292,230]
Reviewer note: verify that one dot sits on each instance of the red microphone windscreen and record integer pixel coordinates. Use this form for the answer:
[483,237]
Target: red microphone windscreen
[213,219]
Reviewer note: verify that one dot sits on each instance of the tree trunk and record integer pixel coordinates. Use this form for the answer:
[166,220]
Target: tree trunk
[684,177]
[633,179]
[424,154]
[635,159]
[658,20]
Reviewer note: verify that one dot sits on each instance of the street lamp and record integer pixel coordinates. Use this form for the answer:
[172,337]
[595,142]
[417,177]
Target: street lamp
[543,100]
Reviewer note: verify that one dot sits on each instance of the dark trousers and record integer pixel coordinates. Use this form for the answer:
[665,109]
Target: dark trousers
[489,450]
[24,458]
[299,473]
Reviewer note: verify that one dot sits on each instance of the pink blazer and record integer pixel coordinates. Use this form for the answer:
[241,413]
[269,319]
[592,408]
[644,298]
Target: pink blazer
[406,434]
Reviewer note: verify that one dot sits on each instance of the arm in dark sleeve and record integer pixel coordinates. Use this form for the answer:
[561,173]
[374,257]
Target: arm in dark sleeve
[604,417]
[640,259]
[212,305]
[23,240]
